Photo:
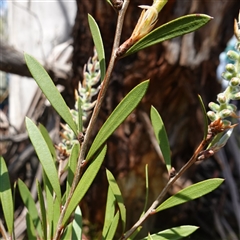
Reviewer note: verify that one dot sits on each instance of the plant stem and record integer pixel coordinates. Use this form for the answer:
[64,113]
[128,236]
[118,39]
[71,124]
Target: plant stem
[156,203]
[101,95]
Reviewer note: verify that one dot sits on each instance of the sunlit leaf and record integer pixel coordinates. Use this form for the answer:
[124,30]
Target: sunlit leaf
[97,39]
[192,192]
[6,198]
[48,140]
[118,196]
[120,113]
[68,232]
[161,136]
[173,233]
[30,205]
[85,183]
[44,156]
[50,91]
[172,29]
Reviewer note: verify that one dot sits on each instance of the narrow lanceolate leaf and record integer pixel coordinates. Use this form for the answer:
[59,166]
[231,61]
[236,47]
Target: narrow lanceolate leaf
[85,183]
[120,113]
[48,140]
[147,190]
[72,164]
[42,210]
[30,228]
[67,232]
[172,29]
[109,212]
[77,225]
[161,136]
[97,39]
[118,196]
[6,198]
[205,118]
[113,227]
[192,192]
[44,156]
[173,233]
[31,206]
[50,91]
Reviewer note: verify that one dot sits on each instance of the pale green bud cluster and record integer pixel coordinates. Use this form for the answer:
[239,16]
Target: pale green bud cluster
[223,108]
[85,94]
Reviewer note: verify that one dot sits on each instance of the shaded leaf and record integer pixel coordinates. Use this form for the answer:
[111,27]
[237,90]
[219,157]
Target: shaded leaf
[97,39]
[113,227]
[109,212]
[6,198]
[173,233]
[67,232]
[30,205]
[77,225]
[205,118]
[85,183]
[42,210]
[72,165]
[118,196]
[172,29]
[192,192]
[44,156]
[147,190]
[31,232]
[47,86]
[120,113]
[161,136]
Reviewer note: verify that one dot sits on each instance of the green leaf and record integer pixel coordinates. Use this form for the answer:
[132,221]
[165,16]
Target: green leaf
[109,2]
[192,192]
[30,228]
[50,201]
[120,113]
[48,140]
[118,196]
[50,91]
[161,136]
[80,115]
[205,118]
[72,165]
[147,190]
[6,198]
[85,183]
[30,205]
[172,29]
[42,210]
[44,156]
[97,39]
[173,233]
[77,225]
[113,227]
[135,233]
[109,212]
[67,232]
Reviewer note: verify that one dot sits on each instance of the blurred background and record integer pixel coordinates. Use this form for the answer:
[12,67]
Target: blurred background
[57,34]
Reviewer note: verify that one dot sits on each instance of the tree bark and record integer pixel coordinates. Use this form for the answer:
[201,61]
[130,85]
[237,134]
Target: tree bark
[179,70]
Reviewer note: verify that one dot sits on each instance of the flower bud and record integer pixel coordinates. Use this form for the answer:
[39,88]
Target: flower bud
[214,106]
[212,115]
[235,81]
[236,96]
[227,75]
[225,113]
[230,68]
[221,98]
[233,55]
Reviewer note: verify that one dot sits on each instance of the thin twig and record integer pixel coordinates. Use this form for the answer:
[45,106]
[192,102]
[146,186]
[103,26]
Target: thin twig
[151,210]
[101,95]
